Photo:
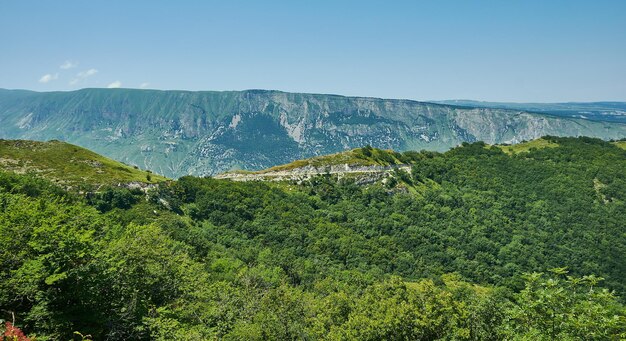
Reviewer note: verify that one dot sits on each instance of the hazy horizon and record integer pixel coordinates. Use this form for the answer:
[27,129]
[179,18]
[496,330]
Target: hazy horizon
[329,94]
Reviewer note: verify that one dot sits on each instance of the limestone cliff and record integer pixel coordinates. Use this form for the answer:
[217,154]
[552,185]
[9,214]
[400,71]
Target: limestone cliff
[176,133]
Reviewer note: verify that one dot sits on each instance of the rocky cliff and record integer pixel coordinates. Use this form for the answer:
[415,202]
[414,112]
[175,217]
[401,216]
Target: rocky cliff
[203,133]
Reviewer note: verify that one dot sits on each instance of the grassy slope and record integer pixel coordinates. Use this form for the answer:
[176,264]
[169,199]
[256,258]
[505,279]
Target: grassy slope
[526,146]
[354,157]
[621,144]
[68,164]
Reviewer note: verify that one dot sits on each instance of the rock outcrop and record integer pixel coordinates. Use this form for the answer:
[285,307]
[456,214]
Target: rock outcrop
[361,174]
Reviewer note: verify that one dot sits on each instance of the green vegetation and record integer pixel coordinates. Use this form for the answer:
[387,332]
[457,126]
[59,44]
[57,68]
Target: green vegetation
[485,246]
[366,156]
[621,144]
[68,165]
[526,146]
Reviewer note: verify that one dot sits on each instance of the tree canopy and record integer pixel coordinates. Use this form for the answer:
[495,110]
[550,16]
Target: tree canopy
[475,244]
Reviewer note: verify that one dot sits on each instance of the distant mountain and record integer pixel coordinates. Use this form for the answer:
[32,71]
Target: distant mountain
[176,133]
[596,111]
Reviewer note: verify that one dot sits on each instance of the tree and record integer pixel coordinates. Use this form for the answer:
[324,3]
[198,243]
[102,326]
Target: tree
[561,307]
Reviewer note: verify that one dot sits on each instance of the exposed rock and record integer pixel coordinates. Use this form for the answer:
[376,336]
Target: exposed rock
[177,133]
[362,174]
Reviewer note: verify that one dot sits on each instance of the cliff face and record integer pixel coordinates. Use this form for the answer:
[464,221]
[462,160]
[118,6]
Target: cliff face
[361,174]
[203,133]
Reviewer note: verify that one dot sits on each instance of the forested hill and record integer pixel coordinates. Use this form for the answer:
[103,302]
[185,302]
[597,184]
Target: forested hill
[481,242]
[177,133]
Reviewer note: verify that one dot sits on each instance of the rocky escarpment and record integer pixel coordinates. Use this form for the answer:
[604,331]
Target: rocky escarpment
[361,174]
[176,133]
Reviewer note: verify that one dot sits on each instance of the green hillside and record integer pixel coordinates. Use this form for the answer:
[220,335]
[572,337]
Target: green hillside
[491,245]
[527,146]
[366,156]
[67,164]
[621,144]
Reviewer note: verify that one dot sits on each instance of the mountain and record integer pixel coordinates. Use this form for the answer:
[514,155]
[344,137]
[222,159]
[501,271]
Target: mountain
[68,165]
[595,111]
[176,133]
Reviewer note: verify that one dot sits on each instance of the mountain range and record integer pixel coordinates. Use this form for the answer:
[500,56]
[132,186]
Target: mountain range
[596,111]
[176,133]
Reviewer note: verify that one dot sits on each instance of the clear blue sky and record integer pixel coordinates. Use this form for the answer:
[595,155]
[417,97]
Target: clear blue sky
[501,50]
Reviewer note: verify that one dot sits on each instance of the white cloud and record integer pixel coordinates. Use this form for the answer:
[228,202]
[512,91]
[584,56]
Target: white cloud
[144,85]
[82,75]
[87,73]
[68,64]
[115,84]
[48,77]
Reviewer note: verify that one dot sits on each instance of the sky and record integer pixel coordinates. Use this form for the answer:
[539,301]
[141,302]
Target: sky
[518,51]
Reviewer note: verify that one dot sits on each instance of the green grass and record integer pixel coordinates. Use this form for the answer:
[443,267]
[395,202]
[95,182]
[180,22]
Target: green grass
[68,164]
[620,144]
[526,146]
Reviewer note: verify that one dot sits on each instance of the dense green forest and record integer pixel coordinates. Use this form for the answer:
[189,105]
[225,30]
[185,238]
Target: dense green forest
[478,243]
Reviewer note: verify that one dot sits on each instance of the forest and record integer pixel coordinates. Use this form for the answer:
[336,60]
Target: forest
[477,243]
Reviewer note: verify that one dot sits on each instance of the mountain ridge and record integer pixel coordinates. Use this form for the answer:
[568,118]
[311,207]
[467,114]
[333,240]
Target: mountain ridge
[367,165]
[608,111]
[179,132]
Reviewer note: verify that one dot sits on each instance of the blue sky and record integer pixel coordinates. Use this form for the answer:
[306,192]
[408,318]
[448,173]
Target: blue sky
[542,51]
